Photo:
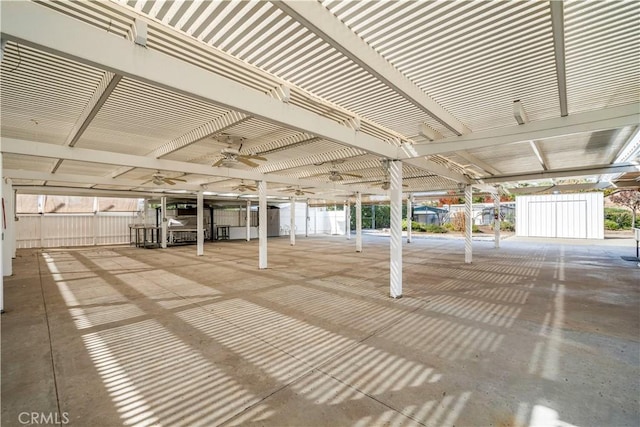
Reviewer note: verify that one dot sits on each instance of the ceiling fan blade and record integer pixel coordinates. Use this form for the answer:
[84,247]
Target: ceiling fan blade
[218,163]
[319,174]
[178,179]
[169,181]
[253,156]
[308,192]
[247,162]
[351,175]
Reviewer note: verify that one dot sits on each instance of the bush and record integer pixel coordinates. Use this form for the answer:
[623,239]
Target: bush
[507,226]
[433,228]
[458,222]
[622,217]
[414,225]
[611,225]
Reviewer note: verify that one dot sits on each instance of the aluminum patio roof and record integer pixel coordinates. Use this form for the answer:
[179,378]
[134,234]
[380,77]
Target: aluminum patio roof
[318,86]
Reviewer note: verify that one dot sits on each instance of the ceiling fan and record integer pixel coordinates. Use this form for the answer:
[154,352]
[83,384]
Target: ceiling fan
[385,182]
[231,156]
[159,178]
[335,175]
[242,187]
[298,191]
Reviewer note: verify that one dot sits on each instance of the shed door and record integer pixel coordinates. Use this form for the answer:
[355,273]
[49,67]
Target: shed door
[572,219]
[542,219]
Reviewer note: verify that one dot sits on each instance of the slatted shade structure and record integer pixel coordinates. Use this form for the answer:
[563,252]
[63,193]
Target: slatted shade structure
[316,86]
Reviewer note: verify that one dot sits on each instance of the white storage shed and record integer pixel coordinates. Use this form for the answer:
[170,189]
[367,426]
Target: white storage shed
[579,216]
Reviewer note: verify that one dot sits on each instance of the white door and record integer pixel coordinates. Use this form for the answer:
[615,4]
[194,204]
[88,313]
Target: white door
[542,219]
[572,219]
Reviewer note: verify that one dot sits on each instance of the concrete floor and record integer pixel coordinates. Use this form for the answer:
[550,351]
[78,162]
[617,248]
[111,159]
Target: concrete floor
[533,334]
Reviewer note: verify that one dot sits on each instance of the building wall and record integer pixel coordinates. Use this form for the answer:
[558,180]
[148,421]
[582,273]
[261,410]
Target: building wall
[579,216]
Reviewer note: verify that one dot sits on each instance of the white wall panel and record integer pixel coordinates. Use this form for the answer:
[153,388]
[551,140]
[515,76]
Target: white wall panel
[321,221]
[579,216]
[56,230]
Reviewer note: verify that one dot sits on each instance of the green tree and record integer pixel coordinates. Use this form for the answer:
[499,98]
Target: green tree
[629,199]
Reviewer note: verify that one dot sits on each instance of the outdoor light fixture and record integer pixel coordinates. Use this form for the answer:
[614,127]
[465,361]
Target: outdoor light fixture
[519,113]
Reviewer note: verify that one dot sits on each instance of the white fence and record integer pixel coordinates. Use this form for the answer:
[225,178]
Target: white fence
[55,230]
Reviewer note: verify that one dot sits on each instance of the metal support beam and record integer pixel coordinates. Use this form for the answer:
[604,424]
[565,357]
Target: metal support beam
[262,224]
[358,222]
[317,18]
[163,218]
[437,169]
[409,222]
[213,127]
[563,173]
[292,223]
[395,247]
[200,226]
[468,229]
[105,87]
[480,163]
[537,150]
[589,121]
[248,220]
[557,26]
[39,149]
[45,29]
[496,221]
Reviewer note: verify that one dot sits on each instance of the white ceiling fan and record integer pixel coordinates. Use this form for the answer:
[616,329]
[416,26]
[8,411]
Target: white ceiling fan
[298,191]
[159,178]
[242,187]
[335,175]
[231,156]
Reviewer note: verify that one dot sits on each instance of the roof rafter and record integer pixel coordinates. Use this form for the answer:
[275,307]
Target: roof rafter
[325,25]
[590,121]
[557,25]
[208,129]
[105,87]
[37,26]
[563,173]
[39,149]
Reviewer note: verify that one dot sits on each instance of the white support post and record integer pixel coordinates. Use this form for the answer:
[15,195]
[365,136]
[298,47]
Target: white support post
[8,233]
[164,224]
[262,224]
[409,222]
[373,217]
[395,172]
[145,208]
[200,227]
[248,220]
[14,242]
[468,210]
[306,219]
[96,208]
[358,222]
[496,221]
[292,223]
[348,220]
[1,242]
